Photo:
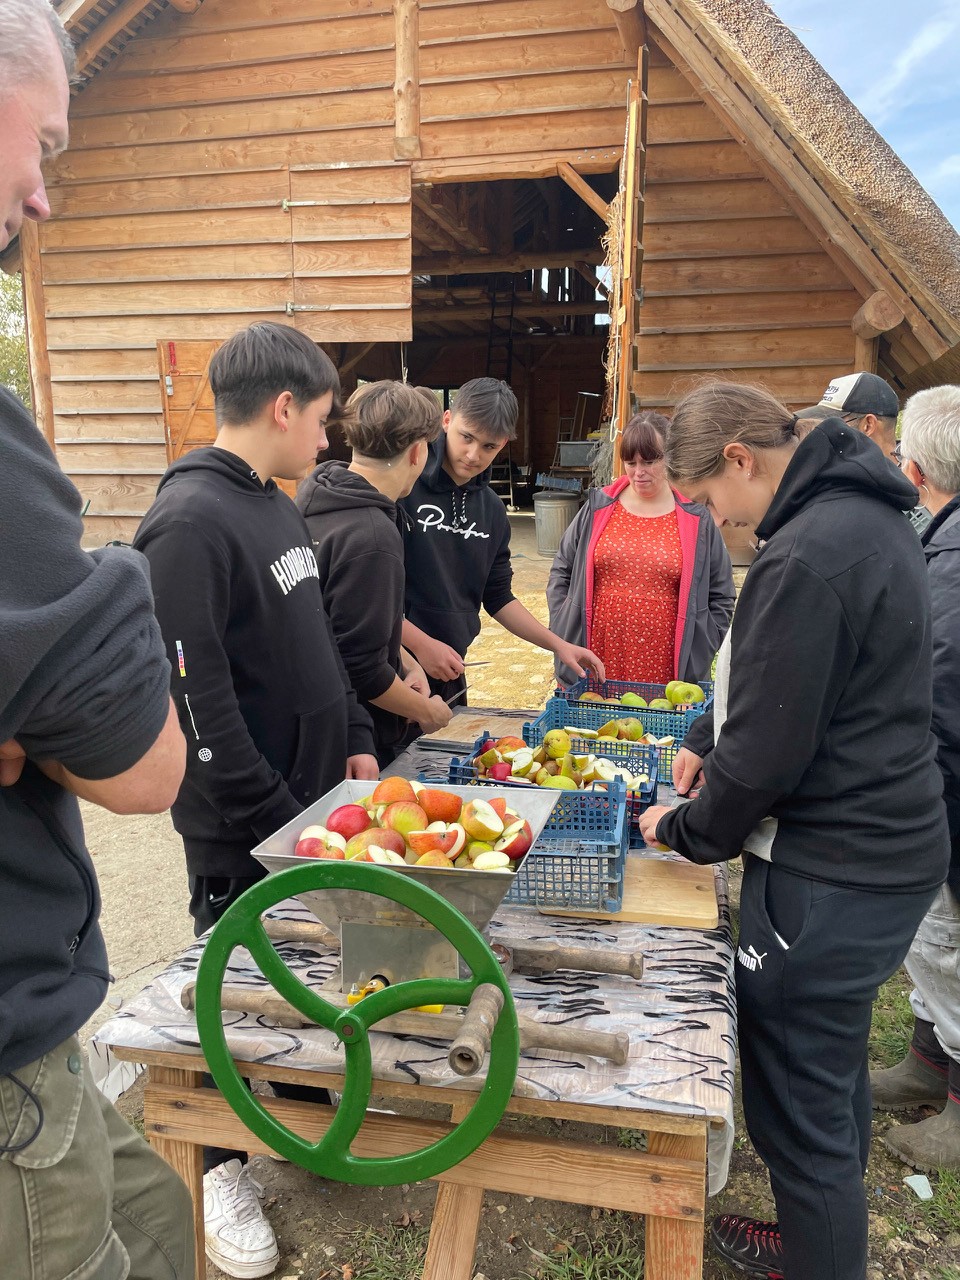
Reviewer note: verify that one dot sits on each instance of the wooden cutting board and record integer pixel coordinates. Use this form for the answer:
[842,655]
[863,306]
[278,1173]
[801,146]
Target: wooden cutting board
[468,724]
[659,891]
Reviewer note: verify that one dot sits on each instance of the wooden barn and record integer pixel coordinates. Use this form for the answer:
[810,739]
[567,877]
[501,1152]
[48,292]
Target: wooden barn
[431,189]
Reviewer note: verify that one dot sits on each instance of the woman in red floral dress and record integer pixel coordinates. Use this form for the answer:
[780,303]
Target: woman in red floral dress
[642,576]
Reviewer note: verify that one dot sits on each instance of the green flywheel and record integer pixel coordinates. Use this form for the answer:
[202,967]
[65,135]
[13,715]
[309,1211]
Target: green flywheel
[331,1156]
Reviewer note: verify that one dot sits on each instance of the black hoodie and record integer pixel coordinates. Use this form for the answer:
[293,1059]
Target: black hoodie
[83,681]
[457,550]
[263,697]
[359,552]
[825,762]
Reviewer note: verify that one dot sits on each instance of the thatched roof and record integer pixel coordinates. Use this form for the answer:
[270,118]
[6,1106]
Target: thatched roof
[837,145]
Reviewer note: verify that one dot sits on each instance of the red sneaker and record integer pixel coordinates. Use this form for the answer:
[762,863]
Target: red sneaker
[749,1244]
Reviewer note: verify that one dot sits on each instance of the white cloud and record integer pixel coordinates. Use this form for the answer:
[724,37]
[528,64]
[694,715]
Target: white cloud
[885,93]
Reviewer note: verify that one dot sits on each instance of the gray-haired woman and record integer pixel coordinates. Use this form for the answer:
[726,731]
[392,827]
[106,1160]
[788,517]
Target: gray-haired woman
[929,1075]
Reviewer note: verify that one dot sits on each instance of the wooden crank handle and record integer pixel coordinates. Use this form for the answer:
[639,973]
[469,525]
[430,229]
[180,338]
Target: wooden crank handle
[472,1042]
[300,931]
[612,1045]
[548,958]
[265,1004]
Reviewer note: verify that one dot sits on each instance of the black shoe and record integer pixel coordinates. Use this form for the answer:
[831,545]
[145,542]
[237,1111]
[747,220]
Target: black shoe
[749,1244]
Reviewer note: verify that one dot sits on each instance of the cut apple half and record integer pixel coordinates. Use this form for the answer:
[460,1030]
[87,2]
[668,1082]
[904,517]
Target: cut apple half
[441,837]
[386,857]
[481,820]
[576,732]
[493,861]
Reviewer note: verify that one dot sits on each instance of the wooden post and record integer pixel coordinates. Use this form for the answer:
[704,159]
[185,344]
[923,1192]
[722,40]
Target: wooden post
[406,87]
[674,1248]
[632,25]
[185,1157]
[36,318]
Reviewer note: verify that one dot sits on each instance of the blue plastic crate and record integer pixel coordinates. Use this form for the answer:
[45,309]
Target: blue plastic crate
[634,756]
[565,708]
[578,861]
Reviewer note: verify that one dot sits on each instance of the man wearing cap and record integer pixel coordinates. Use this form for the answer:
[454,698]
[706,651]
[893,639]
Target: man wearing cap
[868,403]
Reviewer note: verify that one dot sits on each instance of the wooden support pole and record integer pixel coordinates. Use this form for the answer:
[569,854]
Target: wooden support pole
[185,1158]
[628,15]
[879,314]
[406,87]
[582,188]
[35,312]
[865,351]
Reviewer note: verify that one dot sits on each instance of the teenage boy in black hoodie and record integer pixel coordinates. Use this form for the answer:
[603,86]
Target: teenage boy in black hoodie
[352,516]
[269,715]
[457,545]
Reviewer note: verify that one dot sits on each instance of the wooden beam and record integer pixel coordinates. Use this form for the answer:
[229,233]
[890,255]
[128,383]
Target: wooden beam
[406,85]
[879,314]
[433,205]
[36,320]
[75,11]
[583,189]
[628,15]
[355,359]
[591,277]
[108,30]
[521,311]
[448,264]
[518,164]
[186,6]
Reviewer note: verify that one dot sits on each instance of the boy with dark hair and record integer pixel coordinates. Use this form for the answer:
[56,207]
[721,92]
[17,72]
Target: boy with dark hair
[457,545]
[265,703]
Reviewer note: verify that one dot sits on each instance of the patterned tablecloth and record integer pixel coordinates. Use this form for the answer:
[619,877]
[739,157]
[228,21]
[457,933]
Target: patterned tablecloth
[680,1018]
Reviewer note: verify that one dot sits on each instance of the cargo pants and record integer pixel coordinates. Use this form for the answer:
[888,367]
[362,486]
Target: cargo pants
[82,1196]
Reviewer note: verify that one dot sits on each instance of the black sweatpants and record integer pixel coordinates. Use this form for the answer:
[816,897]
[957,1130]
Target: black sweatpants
[804,1001]
[209,898]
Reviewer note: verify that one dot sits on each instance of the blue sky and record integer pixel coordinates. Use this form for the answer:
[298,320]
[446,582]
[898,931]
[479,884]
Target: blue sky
[900,63]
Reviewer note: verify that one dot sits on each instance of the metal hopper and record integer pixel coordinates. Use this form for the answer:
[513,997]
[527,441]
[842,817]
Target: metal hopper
[379,937]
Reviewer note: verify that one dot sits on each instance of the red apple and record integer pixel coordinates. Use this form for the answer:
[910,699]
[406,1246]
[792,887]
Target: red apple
[331,843]
[390,790]
[439,806]
[499,806]
[348,821]
[516,839]
[384,839]
[500,772]
[404,816]
[448,840]
[310,848]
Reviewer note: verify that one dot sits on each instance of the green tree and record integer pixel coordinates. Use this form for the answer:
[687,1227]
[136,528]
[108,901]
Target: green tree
[13,341]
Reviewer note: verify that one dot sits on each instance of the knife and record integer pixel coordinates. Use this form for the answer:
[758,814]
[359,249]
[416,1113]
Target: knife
[454,697]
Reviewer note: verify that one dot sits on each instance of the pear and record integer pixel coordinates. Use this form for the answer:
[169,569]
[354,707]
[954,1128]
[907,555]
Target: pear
[543,777]
[569,770]
[560,784]
[556,743]
[576,732]
[660,704]
[540,755]
[631,699]
[590,696]
[633,730]
[609,730]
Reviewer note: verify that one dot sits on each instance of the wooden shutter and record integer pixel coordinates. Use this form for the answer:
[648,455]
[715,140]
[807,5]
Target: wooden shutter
[626,292]
[188,416]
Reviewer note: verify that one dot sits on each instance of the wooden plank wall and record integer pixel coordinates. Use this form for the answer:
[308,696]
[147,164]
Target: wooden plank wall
[167,206]
[734,285]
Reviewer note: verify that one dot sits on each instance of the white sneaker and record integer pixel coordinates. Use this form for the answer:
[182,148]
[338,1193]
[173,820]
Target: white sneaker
[239,1239]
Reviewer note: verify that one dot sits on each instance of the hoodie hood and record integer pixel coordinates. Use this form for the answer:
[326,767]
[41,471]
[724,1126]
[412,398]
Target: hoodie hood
[835,460]
[221,462]
[436,479]
[334,487]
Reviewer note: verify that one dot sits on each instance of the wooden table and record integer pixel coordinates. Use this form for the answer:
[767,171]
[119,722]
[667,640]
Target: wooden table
[677,1086]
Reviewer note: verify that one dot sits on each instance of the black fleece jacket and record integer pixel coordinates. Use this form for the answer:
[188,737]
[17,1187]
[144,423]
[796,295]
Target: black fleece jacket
[83,681]
[824,762]
[359,554]
[263,697]
[457,549]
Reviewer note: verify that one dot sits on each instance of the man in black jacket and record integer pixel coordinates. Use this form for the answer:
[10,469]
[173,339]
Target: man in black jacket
[457,545]
[269,715]
[929,1074]
[84,711]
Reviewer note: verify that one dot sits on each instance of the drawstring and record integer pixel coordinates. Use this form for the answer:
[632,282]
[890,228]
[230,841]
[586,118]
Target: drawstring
[12,1148]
